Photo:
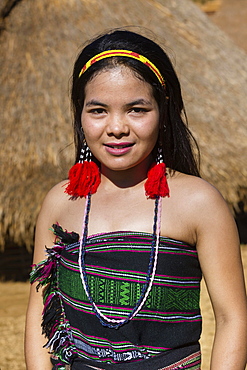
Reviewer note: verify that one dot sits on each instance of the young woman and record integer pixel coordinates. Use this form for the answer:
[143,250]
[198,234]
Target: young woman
[135,226]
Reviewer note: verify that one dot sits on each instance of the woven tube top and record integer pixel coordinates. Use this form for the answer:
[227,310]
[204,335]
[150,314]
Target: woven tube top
[116,266]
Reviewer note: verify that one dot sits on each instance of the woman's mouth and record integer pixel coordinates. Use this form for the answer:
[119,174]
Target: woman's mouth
[118,148]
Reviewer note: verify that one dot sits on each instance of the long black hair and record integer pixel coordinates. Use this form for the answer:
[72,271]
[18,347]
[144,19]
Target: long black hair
[177,141]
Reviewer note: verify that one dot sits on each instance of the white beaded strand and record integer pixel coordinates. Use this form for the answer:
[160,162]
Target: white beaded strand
[150,284]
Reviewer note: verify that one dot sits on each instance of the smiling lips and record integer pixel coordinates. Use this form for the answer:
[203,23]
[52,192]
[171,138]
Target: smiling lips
[118,148]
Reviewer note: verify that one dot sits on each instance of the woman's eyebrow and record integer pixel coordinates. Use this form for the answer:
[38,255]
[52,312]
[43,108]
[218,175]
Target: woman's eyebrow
[139,102]
[95,102]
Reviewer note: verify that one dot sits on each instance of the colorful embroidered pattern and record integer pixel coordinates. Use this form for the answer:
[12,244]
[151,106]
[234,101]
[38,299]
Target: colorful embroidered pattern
[116,265]
[192,362]
[123,53]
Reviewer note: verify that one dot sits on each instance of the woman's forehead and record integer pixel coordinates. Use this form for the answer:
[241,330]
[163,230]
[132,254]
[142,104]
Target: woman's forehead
[118,84]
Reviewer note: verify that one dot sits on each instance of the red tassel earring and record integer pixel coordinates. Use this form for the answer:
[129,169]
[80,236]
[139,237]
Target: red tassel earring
[156,184]
[84,176]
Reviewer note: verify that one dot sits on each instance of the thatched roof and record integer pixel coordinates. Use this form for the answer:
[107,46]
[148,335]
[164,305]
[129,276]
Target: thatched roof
[39,43]
[209,6]
[231,18]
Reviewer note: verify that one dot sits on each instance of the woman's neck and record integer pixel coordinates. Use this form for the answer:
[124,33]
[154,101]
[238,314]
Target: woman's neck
[126,178]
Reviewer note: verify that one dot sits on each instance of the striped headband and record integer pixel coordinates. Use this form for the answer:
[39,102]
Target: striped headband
[124,53]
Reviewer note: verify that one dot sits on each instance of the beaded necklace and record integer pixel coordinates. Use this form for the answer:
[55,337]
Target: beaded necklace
[153,259]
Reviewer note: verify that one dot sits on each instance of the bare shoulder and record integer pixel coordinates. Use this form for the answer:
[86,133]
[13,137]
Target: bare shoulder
[53,205]
[201,207]
[56,194]
[195,190]
[59,208]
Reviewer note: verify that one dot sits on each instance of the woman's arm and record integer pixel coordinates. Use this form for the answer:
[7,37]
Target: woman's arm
[220,259]
[37,357]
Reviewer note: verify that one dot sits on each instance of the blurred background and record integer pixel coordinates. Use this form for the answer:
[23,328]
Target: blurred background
[207,42]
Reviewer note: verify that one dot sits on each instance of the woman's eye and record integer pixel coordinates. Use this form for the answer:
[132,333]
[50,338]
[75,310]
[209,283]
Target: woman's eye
[97,110]
[138,110]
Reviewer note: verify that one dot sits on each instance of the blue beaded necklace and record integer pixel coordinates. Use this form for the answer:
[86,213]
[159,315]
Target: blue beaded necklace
[104,320]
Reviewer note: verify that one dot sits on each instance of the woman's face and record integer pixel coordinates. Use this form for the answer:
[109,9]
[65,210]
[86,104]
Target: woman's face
[120,119]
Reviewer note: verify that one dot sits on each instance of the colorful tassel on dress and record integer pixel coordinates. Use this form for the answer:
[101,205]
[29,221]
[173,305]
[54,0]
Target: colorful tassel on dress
[54,323]
[156,184]
[84,178]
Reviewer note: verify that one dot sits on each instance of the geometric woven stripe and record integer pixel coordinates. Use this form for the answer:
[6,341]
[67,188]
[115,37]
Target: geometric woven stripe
[192,362]
[111,292]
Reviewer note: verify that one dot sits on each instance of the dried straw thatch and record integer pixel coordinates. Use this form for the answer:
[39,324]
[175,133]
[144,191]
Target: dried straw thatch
[209,6]
[39,42]
[231,18]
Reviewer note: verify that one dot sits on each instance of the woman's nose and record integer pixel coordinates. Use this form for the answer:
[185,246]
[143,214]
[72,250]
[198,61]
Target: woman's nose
[117,125]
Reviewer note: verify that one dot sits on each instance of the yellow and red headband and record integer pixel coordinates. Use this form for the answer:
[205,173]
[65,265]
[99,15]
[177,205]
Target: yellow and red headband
[124,53]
